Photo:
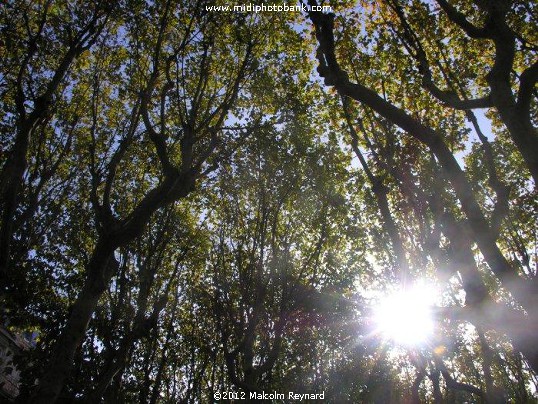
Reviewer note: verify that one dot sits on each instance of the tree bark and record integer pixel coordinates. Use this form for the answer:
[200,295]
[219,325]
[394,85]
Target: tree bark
[101,267]
[11,176]
[100,271]
[515,113]
[521,329]
[329,68]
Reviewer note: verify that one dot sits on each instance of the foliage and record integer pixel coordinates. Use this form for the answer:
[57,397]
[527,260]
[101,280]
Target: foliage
[187,208]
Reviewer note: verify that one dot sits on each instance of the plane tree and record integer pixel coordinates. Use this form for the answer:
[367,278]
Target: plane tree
[392,64]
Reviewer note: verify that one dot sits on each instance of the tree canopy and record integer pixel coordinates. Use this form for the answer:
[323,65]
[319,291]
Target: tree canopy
[201,203]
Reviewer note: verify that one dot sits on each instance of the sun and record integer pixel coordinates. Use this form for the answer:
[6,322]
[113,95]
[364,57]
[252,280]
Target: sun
[405,316]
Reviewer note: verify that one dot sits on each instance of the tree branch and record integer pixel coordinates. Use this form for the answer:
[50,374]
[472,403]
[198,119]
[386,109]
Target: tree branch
[335,76]
[527,85]
[448,97]
[454,384]
[461,20]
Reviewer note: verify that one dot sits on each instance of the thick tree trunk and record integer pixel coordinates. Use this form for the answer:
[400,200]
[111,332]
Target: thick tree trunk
[116,363]
[514,114]
[100,269]
[10,187]
[523,291]
[518,327]
[523,134]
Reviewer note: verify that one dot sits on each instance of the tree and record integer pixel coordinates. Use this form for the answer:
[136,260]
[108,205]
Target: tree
[191,210]
[193,131]
[274,252]
[32,91]
[523,290]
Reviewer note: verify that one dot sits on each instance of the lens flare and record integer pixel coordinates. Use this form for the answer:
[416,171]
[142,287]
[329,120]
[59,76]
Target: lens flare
[405,316]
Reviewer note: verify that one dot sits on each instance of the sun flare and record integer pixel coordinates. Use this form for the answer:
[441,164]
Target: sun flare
[405,316]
